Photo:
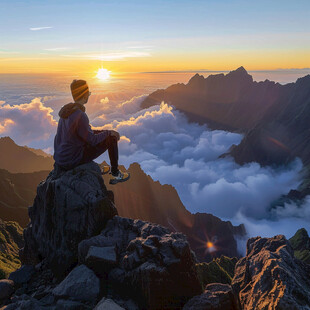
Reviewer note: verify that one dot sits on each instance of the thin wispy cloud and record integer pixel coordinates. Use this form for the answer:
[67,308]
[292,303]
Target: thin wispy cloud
[40,28]
[111,56]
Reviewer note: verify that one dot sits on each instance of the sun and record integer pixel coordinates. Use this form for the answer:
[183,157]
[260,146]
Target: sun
[103,74]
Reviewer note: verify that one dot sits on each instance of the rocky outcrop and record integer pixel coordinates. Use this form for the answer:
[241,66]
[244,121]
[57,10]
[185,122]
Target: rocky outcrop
[300,243]
[11,240]
[270,277]
[216,296]
[79,255]
[143,198]
[150,264]
[131,264]
[69,207]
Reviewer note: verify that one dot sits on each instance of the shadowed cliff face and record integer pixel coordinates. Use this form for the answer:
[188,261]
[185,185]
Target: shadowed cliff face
[15,158]
[283,133]
[143,198]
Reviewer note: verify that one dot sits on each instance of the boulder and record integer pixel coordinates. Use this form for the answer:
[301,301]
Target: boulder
[216,296]
[270,277]
[22,275]
[81,284]
[155,267]
[70,206]
[6,289]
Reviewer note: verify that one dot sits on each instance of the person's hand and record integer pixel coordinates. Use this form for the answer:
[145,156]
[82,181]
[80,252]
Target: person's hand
[115,134]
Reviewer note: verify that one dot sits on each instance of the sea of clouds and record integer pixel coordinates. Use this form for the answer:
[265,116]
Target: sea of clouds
[174,151]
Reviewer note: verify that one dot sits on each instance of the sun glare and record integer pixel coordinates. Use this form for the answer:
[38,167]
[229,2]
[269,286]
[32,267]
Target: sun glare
[103,74]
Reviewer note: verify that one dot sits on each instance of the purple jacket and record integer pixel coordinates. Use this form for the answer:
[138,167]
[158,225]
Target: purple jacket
[73,133]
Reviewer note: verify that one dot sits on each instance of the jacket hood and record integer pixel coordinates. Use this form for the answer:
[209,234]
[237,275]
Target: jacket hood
[69,108]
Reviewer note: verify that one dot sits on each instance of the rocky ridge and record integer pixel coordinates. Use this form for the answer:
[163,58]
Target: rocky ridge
[87,257]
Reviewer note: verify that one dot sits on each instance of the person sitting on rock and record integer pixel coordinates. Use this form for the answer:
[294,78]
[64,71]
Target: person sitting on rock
[76,143]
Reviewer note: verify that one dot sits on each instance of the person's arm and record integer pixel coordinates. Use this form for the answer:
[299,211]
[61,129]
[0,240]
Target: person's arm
[86,133]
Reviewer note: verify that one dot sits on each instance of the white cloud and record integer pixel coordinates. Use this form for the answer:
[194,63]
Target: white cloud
[27,123]
[185,155]
[40,28]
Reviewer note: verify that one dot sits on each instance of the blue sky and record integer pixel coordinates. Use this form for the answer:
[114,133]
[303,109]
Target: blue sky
[110,26]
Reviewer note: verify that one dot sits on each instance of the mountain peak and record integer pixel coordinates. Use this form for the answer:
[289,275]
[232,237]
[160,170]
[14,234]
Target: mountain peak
[196,80]
[239,71]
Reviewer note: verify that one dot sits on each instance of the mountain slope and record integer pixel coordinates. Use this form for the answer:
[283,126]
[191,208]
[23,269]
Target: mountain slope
[17,191]
[284,131]
[143,198]
[15,158]
[11,240]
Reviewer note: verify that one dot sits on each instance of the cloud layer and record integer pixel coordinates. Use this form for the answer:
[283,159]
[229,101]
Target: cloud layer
[183,154]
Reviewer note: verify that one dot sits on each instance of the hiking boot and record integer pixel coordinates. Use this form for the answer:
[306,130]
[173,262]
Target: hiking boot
[119,177]
[105,169]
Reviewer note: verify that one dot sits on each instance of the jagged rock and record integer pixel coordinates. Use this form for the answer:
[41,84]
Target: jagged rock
[81,284]
[108,304]
[216,296]
[6,289]
[69,207]
[154,267]
[300,243]
[22,275]
[269,276]
[101,256]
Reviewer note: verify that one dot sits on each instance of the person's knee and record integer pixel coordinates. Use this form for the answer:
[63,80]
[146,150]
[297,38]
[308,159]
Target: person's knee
[112,139]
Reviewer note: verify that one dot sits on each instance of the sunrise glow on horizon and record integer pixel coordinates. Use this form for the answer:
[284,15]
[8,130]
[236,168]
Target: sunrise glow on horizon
[139,36]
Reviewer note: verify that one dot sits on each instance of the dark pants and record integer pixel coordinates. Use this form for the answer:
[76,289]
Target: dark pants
[92,152]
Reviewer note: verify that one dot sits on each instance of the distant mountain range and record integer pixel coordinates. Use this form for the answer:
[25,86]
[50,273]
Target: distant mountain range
[275,118]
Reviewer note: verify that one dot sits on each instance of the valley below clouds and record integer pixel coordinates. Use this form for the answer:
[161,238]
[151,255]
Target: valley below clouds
[174,151]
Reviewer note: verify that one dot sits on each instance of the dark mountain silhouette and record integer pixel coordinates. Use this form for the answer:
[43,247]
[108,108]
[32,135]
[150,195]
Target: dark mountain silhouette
[15,158]
[17,191]
[231,102]
[283,133]
[275,118]
[143,198]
